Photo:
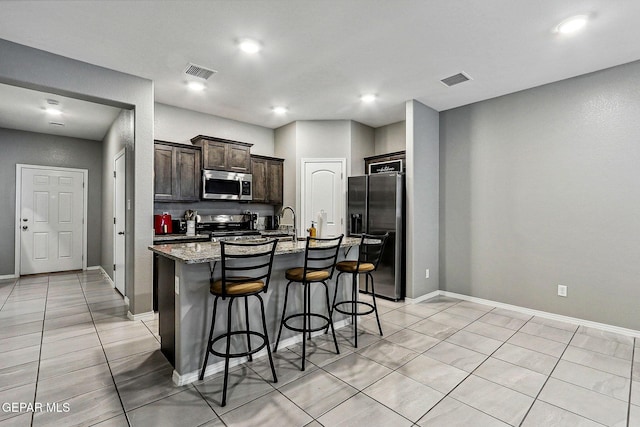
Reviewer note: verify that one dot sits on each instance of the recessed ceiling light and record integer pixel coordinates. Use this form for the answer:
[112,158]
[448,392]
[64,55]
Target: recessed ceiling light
[249,46]
[53,111]
[573,24]
[196,86]
[280,110]
[369,97]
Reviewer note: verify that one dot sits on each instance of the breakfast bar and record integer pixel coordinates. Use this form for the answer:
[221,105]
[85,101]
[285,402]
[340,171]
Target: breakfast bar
[185,304]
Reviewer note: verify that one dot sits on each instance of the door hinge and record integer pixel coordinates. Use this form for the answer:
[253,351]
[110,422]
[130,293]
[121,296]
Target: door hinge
[114,267]
[83,184]
[114,219]
[114,174]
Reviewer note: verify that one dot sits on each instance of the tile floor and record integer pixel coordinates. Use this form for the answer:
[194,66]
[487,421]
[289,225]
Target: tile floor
[65,338]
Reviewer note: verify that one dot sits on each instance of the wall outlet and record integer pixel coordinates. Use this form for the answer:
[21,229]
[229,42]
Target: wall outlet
[426,275]
[562,290]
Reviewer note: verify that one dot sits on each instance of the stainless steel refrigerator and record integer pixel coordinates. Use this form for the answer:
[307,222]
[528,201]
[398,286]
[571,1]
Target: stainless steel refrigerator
[376,205]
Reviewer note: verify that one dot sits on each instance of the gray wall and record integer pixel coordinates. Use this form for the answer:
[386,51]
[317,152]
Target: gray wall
[391,138]
[47,150]
[119,136]
[540,188]
[285,148]
[362,145]
[422,189]
[36,69]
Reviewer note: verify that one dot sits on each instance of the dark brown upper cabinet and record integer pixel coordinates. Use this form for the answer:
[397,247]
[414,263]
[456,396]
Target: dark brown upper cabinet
[398,155]
[267,175]
[224,154]
[176,172]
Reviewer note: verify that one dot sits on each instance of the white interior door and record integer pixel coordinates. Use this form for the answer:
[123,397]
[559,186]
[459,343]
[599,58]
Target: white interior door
[51,219]
[323,189]
[119,222]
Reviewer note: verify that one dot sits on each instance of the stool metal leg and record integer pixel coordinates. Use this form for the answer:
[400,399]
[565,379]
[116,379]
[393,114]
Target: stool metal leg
[305,318]
[284,310]
[373,295]
[333,331]
[227,352]
[213,323]
[266,338]
[246,313]
[354,307]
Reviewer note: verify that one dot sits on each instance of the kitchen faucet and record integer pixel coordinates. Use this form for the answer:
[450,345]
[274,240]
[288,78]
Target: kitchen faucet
[295,235]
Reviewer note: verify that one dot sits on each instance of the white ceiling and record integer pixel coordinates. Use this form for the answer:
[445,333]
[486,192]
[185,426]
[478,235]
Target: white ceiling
[319,56]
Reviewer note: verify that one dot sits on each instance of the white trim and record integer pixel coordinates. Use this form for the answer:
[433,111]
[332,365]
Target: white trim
[149,315]
[126,299]
[545,314]
[119,154]
[214,368]
[343,172]
[17,244]
[8,276]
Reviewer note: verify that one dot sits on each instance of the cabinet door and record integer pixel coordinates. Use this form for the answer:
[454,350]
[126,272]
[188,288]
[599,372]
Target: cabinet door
[187,165]
[274,182]
[215,155]
[163,172]
[238,158]
[259,173]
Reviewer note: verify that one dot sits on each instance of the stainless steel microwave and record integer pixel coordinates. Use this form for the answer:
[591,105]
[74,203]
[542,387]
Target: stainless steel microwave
[221,185]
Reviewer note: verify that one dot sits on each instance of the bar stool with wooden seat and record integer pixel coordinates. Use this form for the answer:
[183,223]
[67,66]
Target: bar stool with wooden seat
[319,264]
[370,253]
[246,271]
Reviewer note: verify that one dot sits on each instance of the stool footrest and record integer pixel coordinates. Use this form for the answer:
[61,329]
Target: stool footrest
[370,308]
[244,334]
[309,328]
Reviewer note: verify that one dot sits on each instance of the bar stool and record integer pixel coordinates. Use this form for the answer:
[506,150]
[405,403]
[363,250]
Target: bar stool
[319,264]
[246,271]
[370,253]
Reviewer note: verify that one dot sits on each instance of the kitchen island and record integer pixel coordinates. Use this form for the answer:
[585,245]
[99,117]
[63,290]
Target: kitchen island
[185,305]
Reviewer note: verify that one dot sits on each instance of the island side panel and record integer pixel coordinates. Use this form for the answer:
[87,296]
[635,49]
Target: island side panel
[166,306]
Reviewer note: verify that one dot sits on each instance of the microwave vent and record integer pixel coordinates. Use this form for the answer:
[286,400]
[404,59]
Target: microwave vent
[199,71]
[455,79]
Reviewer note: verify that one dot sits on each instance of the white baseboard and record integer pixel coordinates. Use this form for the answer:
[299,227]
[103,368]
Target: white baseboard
[126,300]
[546,315]
[9,276]
[215,368]
[95,267]
[149,315]
[423,297]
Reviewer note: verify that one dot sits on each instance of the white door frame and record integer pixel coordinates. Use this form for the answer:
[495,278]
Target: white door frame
[343,191]
[121,153]
[18,242]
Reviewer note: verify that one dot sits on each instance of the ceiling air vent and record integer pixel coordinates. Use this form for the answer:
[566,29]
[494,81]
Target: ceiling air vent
[455,79]
[198,71]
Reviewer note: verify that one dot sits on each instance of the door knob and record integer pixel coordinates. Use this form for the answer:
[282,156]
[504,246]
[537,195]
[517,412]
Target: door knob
[121,232]
[24,227]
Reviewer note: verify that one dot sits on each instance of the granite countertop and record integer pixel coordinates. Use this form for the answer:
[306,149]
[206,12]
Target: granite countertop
[178,237]
[201,252]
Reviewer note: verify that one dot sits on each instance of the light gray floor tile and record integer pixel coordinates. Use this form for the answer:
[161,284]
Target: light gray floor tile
[612,336]
[593,379]
[20,341]
[170,411]
[475,306]
[119,421]
[511,313]
[602,345]
[318,392]
[22,318]
[19,357]
[23,420]
[611,364]
[124,348]
[544,415]
[433,329]
[507,322]
[350,369]
[634,416]
[490,331]
[18,375]
[85,410]
[287,365]
[8,331]
[405,396]
[539,344]
[413,340]
[72,331]
[24,393]
[449,319]
[452,413]
[53,313]
[60,322]
[69,345]
[548,332]
[635,392]
[493,399]
[321,352]
[465,311]
[400,318]
[475,342]
[589,404]
[369,325]
[526,358]
[64,387]
[433,373]
[131,367]
[636,370]
[512,376]
[244,386]
[455,355]
[555,323]
[420,310]
[148,388]
[388,354]
[441,302]
[272,410]
[362,411]
[70,362]
[137,330]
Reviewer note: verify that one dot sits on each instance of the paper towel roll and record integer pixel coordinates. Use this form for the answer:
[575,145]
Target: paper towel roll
[322,222]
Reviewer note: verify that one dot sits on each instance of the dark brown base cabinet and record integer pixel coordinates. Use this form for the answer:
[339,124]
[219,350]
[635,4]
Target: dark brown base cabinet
[176,172]
[267,179]
[223,154]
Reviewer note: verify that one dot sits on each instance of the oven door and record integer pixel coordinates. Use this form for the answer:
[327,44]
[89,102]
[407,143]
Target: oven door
[220,185]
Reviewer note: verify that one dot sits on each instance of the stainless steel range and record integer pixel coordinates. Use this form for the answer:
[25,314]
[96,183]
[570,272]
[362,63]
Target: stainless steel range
[227,227]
